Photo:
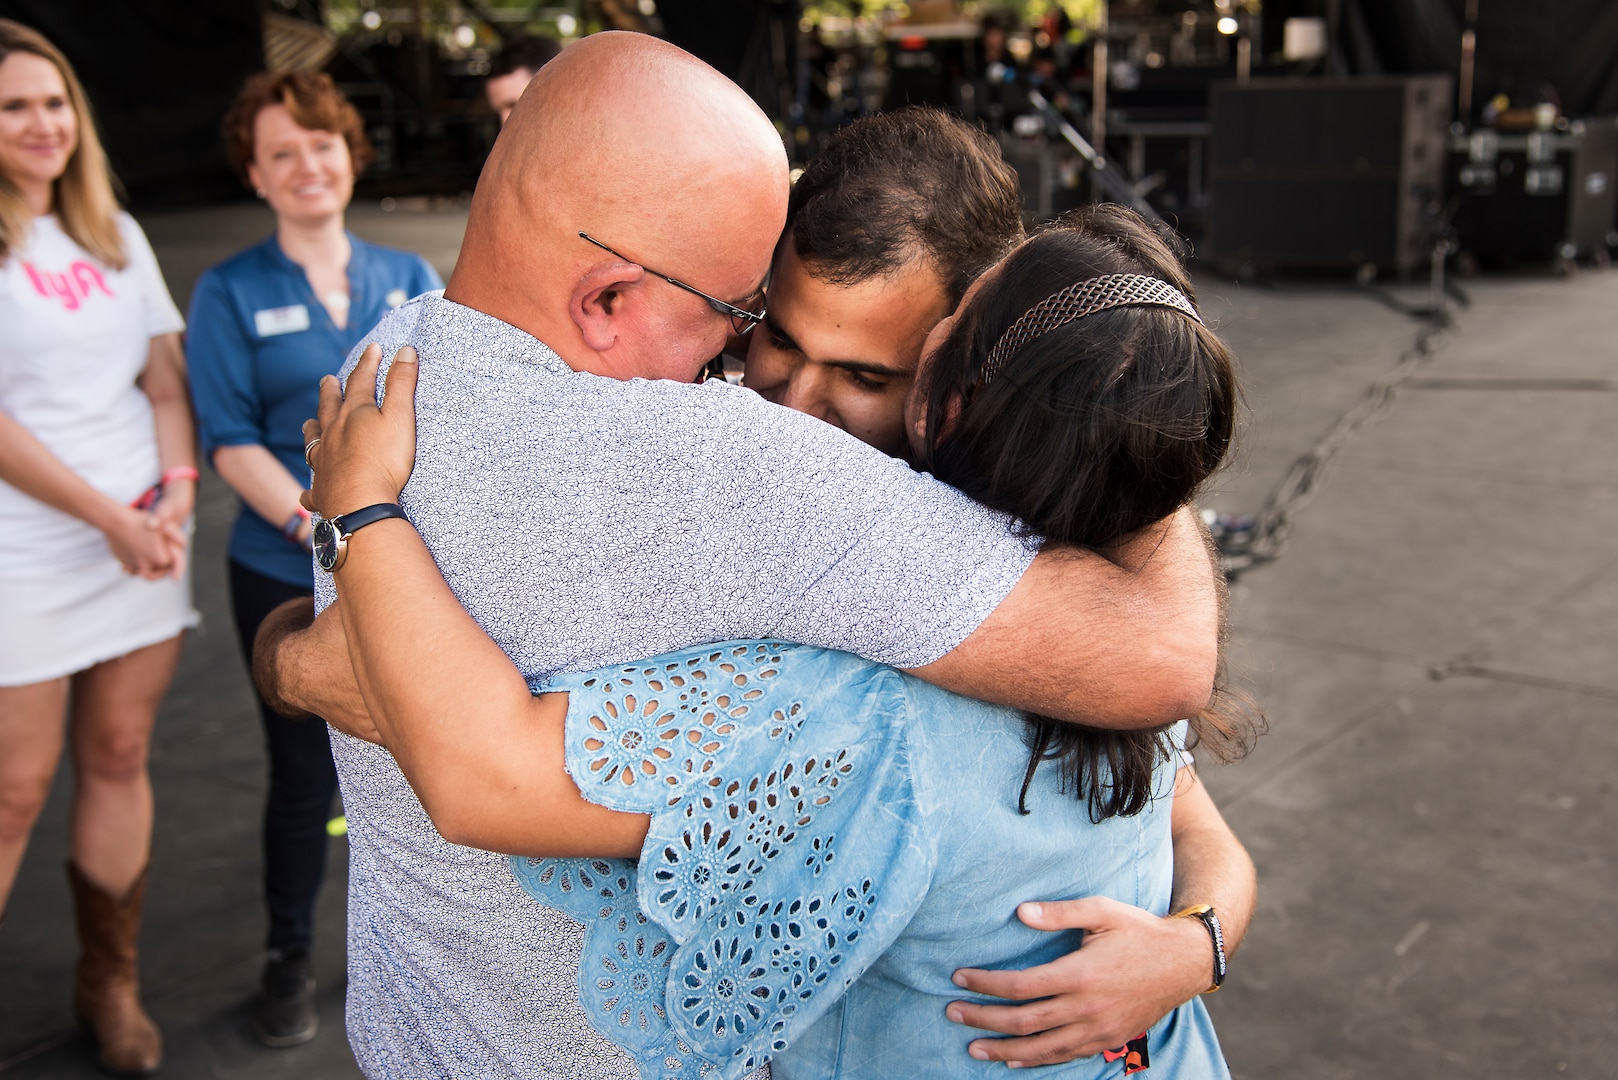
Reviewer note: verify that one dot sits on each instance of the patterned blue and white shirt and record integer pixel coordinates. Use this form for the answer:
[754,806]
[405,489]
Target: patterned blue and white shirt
[585,521]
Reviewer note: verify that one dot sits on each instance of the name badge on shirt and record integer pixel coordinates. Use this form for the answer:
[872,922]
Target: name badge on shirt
[281,320]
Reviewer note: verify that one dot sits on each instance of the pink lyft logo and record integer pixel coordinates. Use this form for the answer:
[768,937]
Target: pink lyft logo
[72,287]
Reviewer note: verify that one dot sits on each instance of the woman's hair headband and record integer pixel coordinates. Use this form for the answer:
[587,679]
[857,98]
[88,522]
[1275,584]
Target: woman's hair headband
[1080,299]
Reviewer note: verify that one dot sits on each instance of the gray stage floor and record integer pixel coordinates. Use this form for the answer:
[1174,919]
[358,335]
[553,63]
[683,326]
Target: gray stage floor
[1438,856]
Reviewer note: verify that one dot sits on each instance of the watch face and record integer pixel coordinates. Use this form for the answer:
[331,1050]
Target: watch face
[324,538]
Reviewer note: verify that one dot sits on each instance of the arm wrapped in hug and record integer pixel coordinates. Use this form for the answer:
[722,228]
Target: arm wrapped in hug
[786,851]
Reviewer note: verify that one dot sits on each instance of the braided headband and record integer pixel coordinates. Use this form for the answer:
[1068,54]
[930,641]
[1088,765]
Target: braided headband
[1080,299]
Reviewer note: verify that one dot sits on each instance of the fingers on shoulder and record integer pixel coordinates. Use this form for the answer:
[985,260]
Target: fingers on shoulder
[331,403]
[399,387]
[365,373]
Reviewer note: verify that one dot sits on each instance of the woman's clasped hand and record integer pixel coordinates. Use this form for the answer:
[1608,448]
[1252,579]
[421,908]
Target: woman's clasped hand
[155,543]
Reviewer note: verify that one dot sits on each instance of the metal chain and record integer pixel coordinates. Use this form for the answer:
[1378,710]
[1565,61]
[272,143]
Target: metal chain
[1272,527]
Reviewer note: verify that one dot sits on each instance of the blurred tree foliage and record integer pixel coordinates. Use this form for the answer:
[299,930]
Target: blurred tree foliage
[1083,12]
[443,18]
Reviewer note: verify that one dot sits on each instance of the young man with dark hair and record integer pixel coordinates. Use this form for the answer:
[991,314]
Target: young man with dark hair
[886,228]
[514,66]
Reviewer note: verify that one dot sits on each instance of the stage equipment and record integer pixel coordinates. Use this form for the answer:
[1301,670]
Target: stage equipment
[1108,177]
[1534,196]
[1327,172]
[930,63]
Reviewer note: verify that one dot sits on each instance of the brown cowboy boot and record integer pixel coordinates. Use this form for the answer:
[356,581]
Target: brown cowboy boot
[106,989]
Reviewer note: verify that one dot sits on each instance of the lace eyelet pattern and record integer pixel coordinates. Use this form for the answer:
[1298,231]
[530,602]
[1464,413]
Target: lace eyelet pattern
[663,723]
[783,855]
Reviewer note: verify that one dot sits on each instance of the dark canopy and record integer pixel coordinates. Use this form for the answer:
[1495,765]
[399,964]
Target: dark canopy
[160,75]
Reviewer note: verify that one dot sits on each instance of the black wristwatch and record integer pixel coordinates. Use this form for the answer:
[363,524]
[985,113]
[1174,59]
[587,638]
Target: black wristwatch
[1205,914]
[331,535]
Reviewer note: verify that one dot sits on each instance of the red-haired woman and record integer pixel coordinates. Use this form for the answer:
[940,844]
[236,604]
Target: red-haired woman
[266,324]
[97,482]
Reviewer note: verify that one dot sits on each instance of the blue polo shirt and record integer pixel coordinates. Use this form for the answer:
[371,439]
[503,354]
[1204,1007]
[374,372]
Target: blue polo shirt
[258,343]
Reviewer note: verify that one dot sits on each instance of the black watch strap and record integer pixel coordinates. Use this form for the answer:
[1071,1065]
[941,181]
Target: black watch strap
[1204,914]
[350,523]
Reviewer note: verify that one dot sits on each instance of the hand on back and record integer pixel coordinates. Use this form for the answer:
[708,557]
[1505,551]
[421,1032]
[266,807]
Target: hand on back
[1132,969]
[301,667]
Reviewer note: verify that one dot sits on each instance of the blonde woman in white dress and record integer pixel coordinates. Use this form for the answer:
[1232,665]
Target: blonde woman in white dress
[97,482]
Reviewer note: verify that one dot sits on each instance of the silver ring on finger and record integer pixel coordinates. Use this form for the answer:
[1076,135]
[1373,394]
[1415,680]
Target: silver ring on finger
[310,445]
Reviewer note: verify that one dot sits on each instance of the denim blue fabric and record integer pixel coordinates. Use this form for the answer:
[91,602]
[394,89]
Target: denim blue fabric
[830,840]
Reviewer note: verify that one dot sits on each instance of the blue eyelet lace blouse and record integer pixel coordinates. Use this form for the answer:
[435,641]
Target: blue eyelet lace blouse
[830,840]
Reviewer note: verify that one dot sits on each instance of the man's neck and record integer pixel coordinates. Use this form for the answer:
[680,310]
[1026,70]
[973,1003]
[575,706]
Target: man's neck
[496,300]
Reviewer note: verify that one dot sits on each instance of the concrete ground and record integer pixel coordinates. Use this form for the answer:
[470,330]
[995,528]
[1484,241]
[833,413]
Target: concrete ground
[1437,856]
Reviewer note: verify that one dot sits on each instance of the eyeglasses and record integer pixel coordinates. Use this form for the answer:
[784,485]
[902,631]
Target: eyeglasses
[741,319]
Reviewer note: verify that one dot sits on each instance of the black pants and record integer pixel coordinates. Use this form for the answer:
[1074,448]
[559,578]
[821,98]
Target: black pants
[302,782]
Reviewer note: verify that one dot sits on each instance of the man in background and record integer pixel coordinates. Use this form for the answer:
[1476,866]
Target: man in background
[513,66]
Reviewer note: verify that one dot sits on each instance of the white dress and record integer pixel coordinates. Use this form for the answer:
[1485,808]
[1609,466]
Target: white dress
[75,337]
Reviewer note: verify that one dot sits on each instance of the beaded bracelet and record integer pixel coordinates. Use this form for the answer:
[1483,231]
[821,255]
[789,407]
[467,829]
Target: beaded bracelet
[180,472]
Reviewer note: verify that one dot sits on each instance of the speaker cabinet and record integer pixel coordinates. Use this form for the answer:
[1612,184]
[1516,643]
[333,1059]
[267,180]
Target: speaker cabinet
[1536,195]
[1326,172]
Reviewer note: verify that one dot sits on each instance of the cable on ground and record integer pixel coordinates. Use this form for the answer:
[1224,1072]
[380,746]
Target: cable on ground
[1245,543]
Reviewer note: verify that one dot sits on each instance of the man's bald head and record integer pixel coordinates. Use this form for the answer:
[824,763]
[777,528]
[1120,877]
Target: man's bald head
[652,152]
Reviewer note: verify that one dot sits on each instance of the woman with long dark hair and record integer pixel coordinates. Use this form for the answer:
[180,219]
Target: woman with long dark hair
[97,482]
[822,840]
[1090,437]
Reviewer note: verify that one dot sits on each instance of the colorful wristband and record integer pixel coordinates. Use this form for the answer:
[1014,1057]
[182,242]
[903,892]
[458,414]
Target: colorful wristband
[294,524]
[180,472]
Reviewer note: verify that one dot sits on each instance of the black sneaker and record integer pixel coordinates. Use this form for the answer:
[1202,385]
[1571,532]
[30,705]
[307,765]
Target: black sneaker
[285,1012]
